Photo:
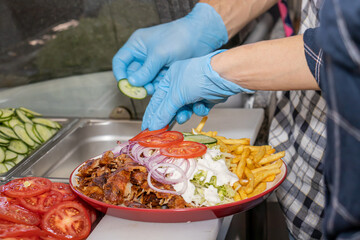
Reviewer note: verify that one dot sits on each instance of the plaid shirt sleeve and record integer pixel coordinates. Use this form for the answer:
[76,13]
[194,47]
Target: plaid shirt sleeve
[313,53]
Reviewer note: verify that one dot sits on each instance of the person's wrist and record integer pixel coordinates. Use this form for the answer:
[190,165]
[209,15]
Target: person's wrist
[219,70]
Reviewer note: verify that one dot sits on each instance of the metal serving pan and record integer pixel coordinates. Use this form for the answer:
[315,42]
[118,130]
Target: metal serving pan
[86,139]
[66,123]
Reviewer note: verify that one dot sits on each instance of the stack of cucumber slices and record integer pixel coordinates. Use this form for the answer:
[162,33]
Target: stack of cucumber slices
[22,131]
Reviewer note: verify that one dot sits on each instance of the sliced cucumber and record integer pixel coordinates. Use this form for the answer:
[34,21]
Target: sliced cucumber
[10,155]
[14,121]
[4,140]
[9,164]
[3,169]
[29,112]
[2,155]
[5,119]
[8,132]
[6,113]
[187,133]
[44,132]
[4,136]
[19,158]
[30,132]
[46,122]
[18,146]
[200,139]
[21,133]
[22,116]
[131,91]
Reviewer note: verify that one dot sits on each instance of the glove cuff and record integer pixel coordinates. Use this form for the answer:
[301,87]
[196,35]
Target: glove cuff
[221,82]
[211,23]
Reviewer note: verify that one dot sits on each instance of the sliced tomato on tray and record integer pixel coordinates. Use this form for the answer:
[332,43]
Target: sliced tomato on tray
[18,231]
[147,133]
[64,189]
[184,149]
[27,187]
[18,214]
[67,220]
[162,139]
[43,202]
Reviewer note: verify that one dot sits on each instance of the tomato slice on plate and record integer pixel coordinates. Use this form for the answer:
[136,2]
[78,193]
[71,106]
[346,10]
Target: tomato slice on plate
[67,220]
[162,139]
[18,214]
[64,189]
[146,133]
[27,187]
[43,202]
[18,231]
[184,149]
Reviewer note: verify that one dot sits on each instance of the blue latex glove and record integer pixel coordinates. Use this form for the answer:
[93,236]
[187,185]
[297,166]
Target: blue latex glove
[190,84]
[199,33]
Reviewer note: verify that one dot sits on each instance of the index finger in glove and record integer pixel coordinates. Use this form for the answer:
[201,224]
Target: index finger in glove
[120,63]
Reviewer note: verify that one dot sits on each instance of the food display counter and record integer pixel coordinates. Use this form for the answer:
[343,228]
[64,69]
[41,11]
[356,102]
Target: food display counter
[84,138]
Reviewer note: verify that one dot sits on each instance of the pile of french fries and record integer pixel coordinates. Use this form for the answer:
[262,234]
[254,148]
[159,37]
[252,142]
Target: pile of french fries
[254,165]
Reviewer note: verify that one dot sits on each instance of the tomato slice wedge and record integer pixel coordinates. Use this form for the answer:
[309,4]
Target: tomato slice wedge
[162,139]
[43,202]
[18,231]
[184,149]
[64,189]
[27,187]
[146,133]
[67,220]
[17,214]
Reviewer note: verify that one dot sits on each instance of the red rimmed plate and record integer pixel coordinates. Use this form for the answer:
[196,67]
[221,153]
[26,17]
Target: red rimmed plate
[179,215]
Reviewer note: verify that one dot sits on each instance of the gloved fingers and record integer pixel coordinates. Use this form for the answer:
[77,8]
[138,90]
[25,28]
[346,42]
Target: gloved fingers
[201,108]
[184,114]
[151,110]
[133,67]
[151,87]
[120,63]
[147,72]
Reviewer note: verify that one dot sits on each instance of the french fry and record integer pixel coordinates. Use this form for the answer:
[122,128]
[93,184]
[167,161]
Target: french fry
[274,165]
[250,163]
[201,125]
[258,189]
[243,182]
[236,159]
[233,147]
[260,154]
[237,197]
[272,158]
[242,193]
[250,186]
[239,150]
[270,178]
[240,168]
[260,176]
[242,141]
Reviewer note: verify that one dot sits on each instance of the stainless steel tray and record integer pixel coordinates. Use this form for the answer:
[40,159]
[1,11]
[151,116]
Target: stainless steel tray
[66,123]
[86,139]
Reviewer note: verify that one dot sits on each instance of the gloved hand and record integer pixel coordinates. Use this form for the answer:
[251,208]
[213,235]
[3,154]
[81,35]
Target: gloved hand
[197,34]
[188,84]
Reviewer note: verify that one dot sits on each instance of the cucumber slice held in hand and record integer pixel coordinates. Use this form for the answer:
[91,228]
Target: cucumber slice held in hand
[132,92]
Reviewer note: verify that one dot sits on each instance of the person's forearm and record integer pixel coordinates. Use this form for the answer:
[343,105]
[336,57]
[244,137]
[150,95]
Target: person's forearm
[237,13]
[268,65]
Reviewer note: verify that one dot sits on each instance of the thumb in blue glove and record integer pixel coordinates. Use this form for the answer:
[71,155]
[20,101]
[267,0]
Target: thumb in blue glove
[191,82]
[199,33]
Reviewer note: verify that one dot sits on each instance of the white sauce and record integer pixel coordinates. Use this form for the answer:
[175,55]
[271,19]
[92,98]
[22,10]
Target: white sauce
[213,168]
